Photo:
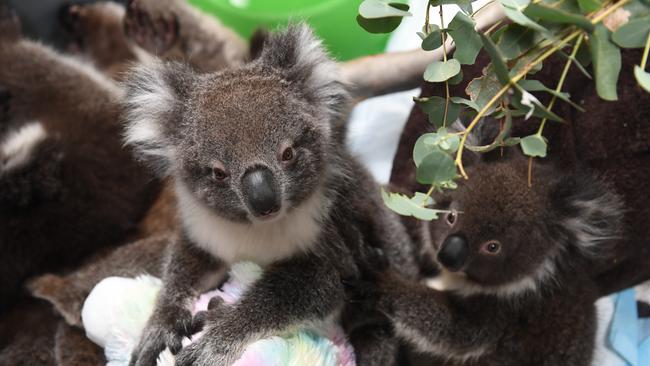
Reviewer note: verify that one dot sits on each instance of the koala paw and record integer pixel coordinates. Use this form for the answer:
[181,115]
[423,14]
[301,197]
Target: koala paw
[203,353]
[155,34]
[160,334]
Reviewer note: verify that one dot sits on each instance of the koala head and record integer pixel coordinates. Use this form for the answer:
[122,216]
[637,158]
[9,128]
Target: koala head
[250,142]
[503,237]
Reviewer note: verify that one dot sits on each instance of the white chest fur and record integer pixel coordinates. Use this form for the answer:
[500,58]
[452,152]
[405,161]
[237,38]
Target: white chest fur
[262,243]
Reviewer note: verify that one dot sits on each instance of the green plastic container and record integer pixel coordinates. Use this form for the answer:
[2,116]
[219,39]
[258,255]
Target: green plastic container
[333,20]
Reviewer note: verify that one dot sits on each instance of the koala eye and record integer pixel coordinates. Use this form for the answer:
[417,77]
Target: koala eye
[491,247]
[287,154]
[219,174]
[452,217]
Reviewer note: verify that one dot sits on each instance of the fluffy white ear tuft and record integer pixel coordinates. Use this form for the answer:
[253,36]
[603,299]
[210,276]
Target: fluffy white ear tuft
[302,58]
[152,102]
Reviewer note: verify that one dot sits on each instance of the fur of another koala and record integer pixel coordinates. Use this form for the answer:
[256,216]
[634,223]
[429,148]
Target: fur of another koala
[521,293]
[68,186]
[277,120]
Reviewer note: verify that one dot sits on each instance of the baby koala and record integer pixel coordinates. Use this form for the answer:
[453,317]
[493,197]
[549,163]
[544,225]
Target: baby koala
[261,174]
[515,285]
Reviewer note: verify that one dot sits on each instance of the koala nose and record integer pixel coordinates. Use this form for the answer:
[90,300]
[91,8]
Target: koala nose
[453,252]
[260,191]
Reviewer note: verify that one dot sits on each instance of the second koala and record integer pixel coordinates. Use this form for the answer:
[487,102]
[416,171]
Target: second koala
[261,174]
[515,286]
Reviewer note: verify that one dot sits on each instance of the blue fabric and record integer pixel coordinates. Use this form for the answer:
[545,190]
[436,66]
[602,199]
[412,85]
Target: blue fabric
[629,336]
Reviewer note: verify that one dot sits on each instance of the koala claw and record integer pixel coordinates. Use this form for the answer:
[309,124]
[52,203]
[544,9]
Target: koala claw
[200,353]
[157,336]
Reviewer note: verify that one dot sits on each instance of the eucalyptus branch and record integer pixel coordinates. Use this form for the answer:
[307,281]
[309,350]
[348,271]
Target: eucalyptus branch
[557,46]
[644,59]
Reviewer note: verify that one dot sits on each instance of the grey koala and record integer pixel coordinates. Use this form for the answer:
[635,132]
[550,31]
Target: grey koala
[261,174]
[514,285]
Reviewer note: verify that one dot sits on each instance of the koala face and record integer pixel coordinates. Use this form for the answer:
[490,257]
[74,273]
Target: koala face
[505,236]
[250,153]
[251,143]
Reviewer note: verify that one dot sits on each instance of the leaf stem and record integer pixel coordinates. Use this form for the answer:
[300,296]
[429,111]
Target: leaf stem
[426,18]
[519,76]
[644,59]
[443,38]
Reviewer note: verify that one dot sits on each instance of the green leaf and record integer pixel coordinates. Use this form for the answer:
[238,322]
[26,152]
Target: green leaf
[534,145]
[429,142]
[633,34]
[554,15]
[410,206]
[373,9]
[642,77]
[468,42]
[482,89]
[450,2]
[536,85]
[588,6]
[606,57]
[432,40]
[436,167]
[513,10]
[516,40]
[380,25]
[498,64]
[439,71]
[532,106]
[512,141]
[434,107]
[456,79]
[467,102]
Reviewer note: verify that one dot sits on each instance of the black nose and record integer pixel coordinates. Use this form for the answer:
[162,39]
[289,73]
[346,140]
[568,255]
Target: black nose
[260,191]
[454,252]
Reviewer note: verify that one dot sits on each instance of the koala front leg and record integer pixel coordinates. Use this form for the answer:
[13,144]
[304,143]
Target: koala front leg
[290,295]
[435,322]
[172,319]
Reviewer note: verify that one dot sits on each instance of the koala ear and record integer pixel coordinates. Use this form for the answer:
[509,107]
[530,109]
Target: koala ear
[155,92]
[301,58]
[588,214]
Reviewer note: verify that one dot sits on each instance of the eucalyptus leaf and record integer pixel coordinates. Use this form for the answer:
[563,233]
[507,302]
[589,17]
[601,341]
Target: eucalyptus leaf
[410,206]
[467,102]
[456,79]
[500,67]
[554,15]
[482,89]
[642,77]
[468,42]
[373,9]
[436,167]
[633,34]
[451,2]
[533,107]
[534,145]
[588,6]
[432,40]
[516,40]
[379,25]
[536,85]
[439,71]
[513,10]
[434,107]
[606,57]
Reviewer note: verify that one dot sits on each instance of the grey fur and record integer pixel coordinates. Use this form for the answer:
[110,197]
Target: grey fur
[237,120]
[531,303]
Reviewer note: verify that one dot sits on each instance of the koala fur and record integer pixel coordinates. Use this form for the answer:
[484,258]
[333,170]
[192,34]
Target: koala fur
[611,140]
[68,187]
[261,173]
[514,286]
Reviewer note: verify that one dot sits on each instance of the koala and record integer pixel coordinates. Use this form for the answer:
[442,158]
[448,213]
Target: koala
[174,30]
[514,286]
[261,173]
[68,186]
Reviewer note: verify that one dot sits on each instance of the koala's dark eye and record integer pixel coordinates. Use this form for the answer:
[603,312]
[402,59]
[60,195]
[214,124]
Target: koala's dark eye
[288,154]
[452,217]
[219,174]
[491,247]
